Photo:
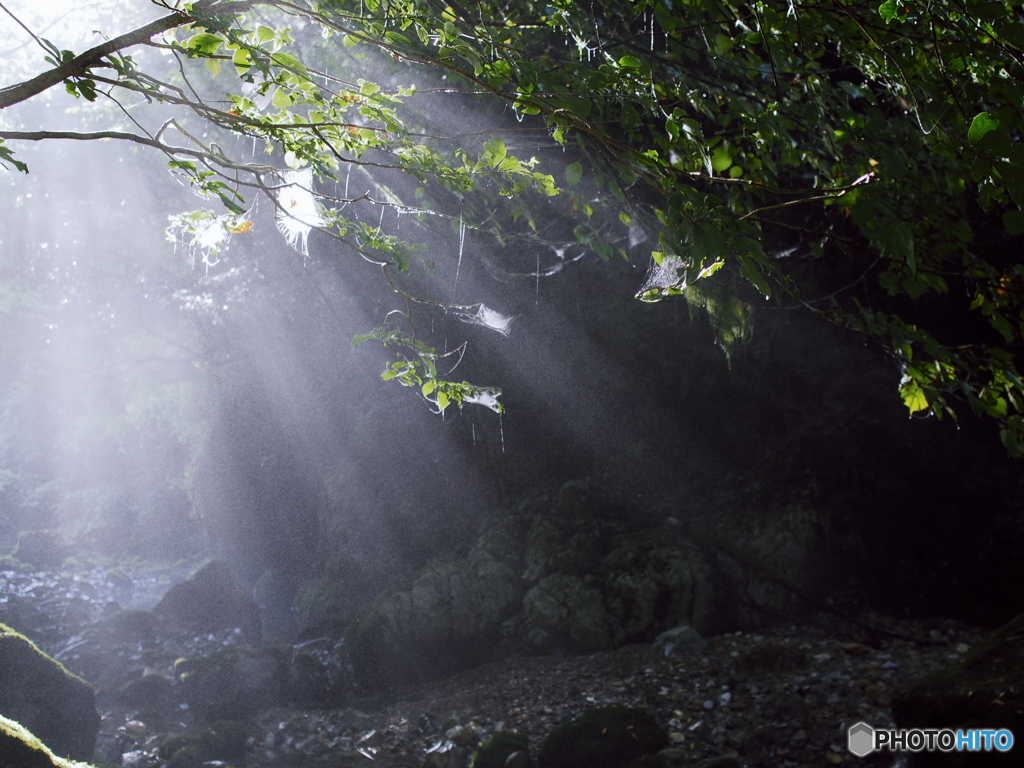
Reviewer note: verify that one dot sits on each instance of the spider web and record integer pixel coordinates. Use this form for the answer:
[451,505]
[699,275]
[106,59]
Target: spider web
[297,212]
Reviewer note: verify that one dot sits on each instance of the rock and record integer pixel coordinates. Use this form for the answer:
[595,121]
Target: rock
[151,690]
[677,640]
[449,619]
[38,692]
[606,737]
[650,587]
[984,689]
[20,748]
[445,754]
[222,740]
[518,760]
[42,549]
[237,683]
[570,614]
[211,601]
[128,627]
[496,751]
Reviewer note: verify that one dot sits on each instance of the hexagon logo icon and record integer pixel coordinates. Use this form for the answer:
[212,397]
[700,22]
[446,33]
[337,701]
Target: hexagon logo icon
[861,739]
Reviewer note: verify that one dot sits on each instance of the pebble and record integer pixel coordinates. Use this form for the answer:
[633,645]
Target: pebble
[815,677]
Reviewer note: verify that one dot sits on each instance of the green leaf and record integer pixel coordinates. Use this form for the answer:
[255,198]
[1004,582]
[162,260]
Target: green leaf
[913,397]
[242,60]
[573,173]
[204,43]
[982,123]
[1013,220]
[281,100]
[630,62]
[230,204]
[889,10]
[751,271]
[428,387]
[721,159]
[495,151]
[288,61]
[442,400]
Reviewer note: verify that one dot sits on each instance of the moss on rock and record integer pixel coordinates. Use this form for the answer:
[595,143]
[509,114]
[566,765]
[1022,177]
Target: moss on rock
[224,740]
[606,737]
[20,748]
[39,693]
[496,750]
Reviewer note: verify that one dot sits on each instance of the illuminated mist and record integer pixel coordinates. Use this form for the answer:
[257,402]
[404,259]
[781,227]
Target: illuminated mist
[153,406]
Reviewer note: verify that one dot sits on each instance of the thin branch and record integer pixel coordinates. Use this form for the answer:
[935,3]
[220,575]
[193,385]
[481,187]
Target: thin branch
[80,65]
[213,157]
[21,24]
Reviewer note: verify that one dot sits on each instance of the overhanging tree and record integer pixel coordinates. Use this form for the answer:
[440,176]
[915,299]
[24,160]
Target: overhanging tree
[861,161]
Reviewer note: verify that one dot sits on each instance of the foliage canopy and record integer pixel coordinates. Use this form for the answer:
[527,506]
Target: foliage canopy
[860,160]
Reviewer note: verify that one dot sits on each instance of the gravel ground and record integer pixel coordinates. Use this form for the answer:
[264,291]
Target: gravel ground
[782,697]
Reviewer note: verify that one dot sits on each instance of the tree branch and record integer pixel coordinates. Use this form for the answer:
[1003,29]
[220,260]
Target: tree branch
[125,136]
[79,65]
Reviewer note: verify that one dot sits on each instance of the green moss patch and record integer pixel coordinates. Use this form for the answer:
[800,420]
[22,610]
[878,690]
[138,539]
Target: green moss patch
[20,748]
[39,693]
[495,751]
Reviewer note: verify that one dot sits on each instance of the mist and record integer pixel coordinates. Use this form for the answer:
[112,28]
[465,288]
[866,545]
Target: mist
[162,408]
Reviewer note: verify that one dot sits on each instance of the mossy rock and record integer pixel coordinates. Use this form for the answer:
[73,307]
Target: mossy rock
[20,748]
[224,740]
[150,690]
[984,689]
[39,693]
[496,750]
[189,756]
[606,737]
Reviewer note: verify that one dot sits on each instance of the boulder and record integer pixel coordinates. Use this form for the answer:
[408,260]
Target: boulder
[222,740]
[605,737]
[565,613]
[496,751]
[449,619]
[39,693]
[20,748]
[42,549]
[238,683]
[984,689]
[211,601]
[650,587]
[678,640]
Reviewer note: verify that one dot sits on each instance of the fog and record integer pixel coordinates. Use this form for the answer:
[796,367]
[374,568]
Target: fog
[157,406]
